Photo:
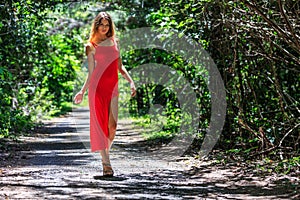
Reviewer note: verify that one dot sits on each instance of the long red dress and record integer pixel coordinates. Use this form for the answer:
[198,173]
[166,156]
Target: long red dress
[102,88]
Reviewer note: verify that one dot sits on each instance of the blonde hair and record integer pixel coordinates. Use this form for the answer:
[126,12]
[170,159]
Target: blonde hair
[96,23]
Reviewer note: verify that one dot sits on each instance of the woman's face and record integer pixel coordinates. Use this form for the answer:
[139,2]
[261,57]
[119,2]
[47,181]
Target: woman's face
[103,27]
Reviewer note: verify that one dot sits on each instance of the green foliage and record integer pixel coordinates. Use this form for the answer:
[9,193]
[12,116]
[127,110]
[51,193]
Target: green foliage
[257,57]
[153,127]
[21,33]
[284,166]
[158,100]
[137,12]
[37,68]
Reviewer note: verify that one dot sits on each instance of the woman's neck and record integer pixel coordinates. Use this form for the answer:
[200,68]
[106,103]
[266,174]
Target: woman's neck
[100,39]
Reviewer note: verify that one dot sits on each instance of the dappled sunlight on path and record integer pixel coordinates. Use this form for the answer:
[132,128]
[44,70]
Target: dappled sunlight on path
[60,166]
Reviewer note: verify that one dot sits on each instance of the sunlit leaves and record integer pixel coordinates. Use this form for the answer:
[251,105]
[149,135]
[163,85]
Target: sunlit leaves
[28,65]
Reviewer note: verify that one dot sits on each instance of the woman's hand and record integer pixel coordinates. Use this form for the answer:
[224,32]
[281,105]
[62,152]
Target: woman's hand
[78,97]
[133,89]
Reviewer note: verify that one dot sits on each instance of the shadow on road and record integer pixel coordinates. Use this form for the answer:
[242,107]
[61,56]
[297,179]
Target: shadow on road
[59,166]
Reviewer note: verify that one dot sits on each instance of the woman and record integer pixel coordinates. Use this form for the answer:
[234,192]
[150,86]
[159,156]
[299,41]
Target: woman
[104,62]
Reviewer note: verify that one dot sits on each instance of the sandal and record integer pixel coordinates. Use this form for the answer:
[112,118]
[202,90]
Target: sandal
[107,170]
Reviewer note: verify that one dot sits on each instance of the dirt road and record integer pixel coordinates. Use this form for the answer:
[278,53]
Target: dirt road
[59,165]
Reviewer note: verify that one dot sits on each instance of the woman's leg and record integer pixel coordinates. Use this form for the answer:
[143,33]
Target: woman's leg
[107,169]
[112,127]
[112,121]
[105,156]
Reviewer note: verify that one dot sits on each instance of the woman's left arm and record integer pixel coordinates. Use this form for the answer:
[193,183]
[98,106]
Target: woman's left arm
[126,75]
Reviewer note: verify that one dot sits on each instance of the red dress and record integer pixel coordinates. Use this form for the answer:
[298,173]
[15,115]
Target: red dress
[102,88]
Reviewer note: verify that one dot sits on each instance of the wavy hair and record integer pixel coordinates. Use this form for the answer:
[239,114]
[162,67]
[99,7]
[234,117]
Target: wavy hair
[96,23]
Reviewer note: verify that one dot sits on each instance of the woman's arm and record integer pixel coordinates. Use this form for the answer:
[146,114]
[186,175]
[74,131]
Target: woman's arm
[91,65]
[126,75]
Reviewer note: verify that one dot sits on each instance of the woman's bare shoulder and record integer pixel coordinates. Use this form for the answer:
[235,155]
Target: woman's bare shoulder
[89,48]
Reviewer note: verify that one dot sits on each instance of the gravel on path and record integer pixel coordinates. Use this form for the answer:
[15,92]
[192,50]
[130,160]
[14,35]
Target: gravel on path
[59,165]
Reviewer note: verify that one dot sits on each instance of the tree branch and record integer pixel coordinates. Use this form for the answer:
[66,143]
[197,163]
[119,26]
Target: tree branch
[288,24]
[281,141]
[272,24]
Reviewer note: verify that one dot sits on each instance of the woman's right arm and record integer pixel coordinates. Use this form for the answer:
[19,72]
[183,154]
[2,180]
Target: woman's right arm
[91,65]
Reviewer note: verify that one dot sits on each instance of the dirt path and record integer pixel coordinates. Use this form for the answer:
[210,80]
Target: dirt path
[60,166]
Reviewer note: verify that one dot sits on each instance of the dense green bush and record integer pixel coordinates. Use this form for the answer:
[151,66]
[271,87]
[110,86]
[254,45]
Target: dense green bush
[37,67]
[257,62]
[256,49]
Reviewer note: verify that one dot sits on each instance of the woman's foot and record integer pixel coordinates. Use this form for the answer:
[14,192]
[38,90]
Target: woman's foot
[107,170]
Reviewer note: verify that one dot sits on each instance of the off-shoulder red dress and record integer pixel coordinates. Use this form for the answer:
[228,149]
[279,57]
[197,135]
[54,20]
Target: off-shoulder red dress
[103,88]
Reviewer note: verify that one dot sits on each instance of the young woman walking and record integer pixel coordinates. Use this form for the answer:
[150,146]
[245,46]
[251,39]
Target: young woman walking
[104,63]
